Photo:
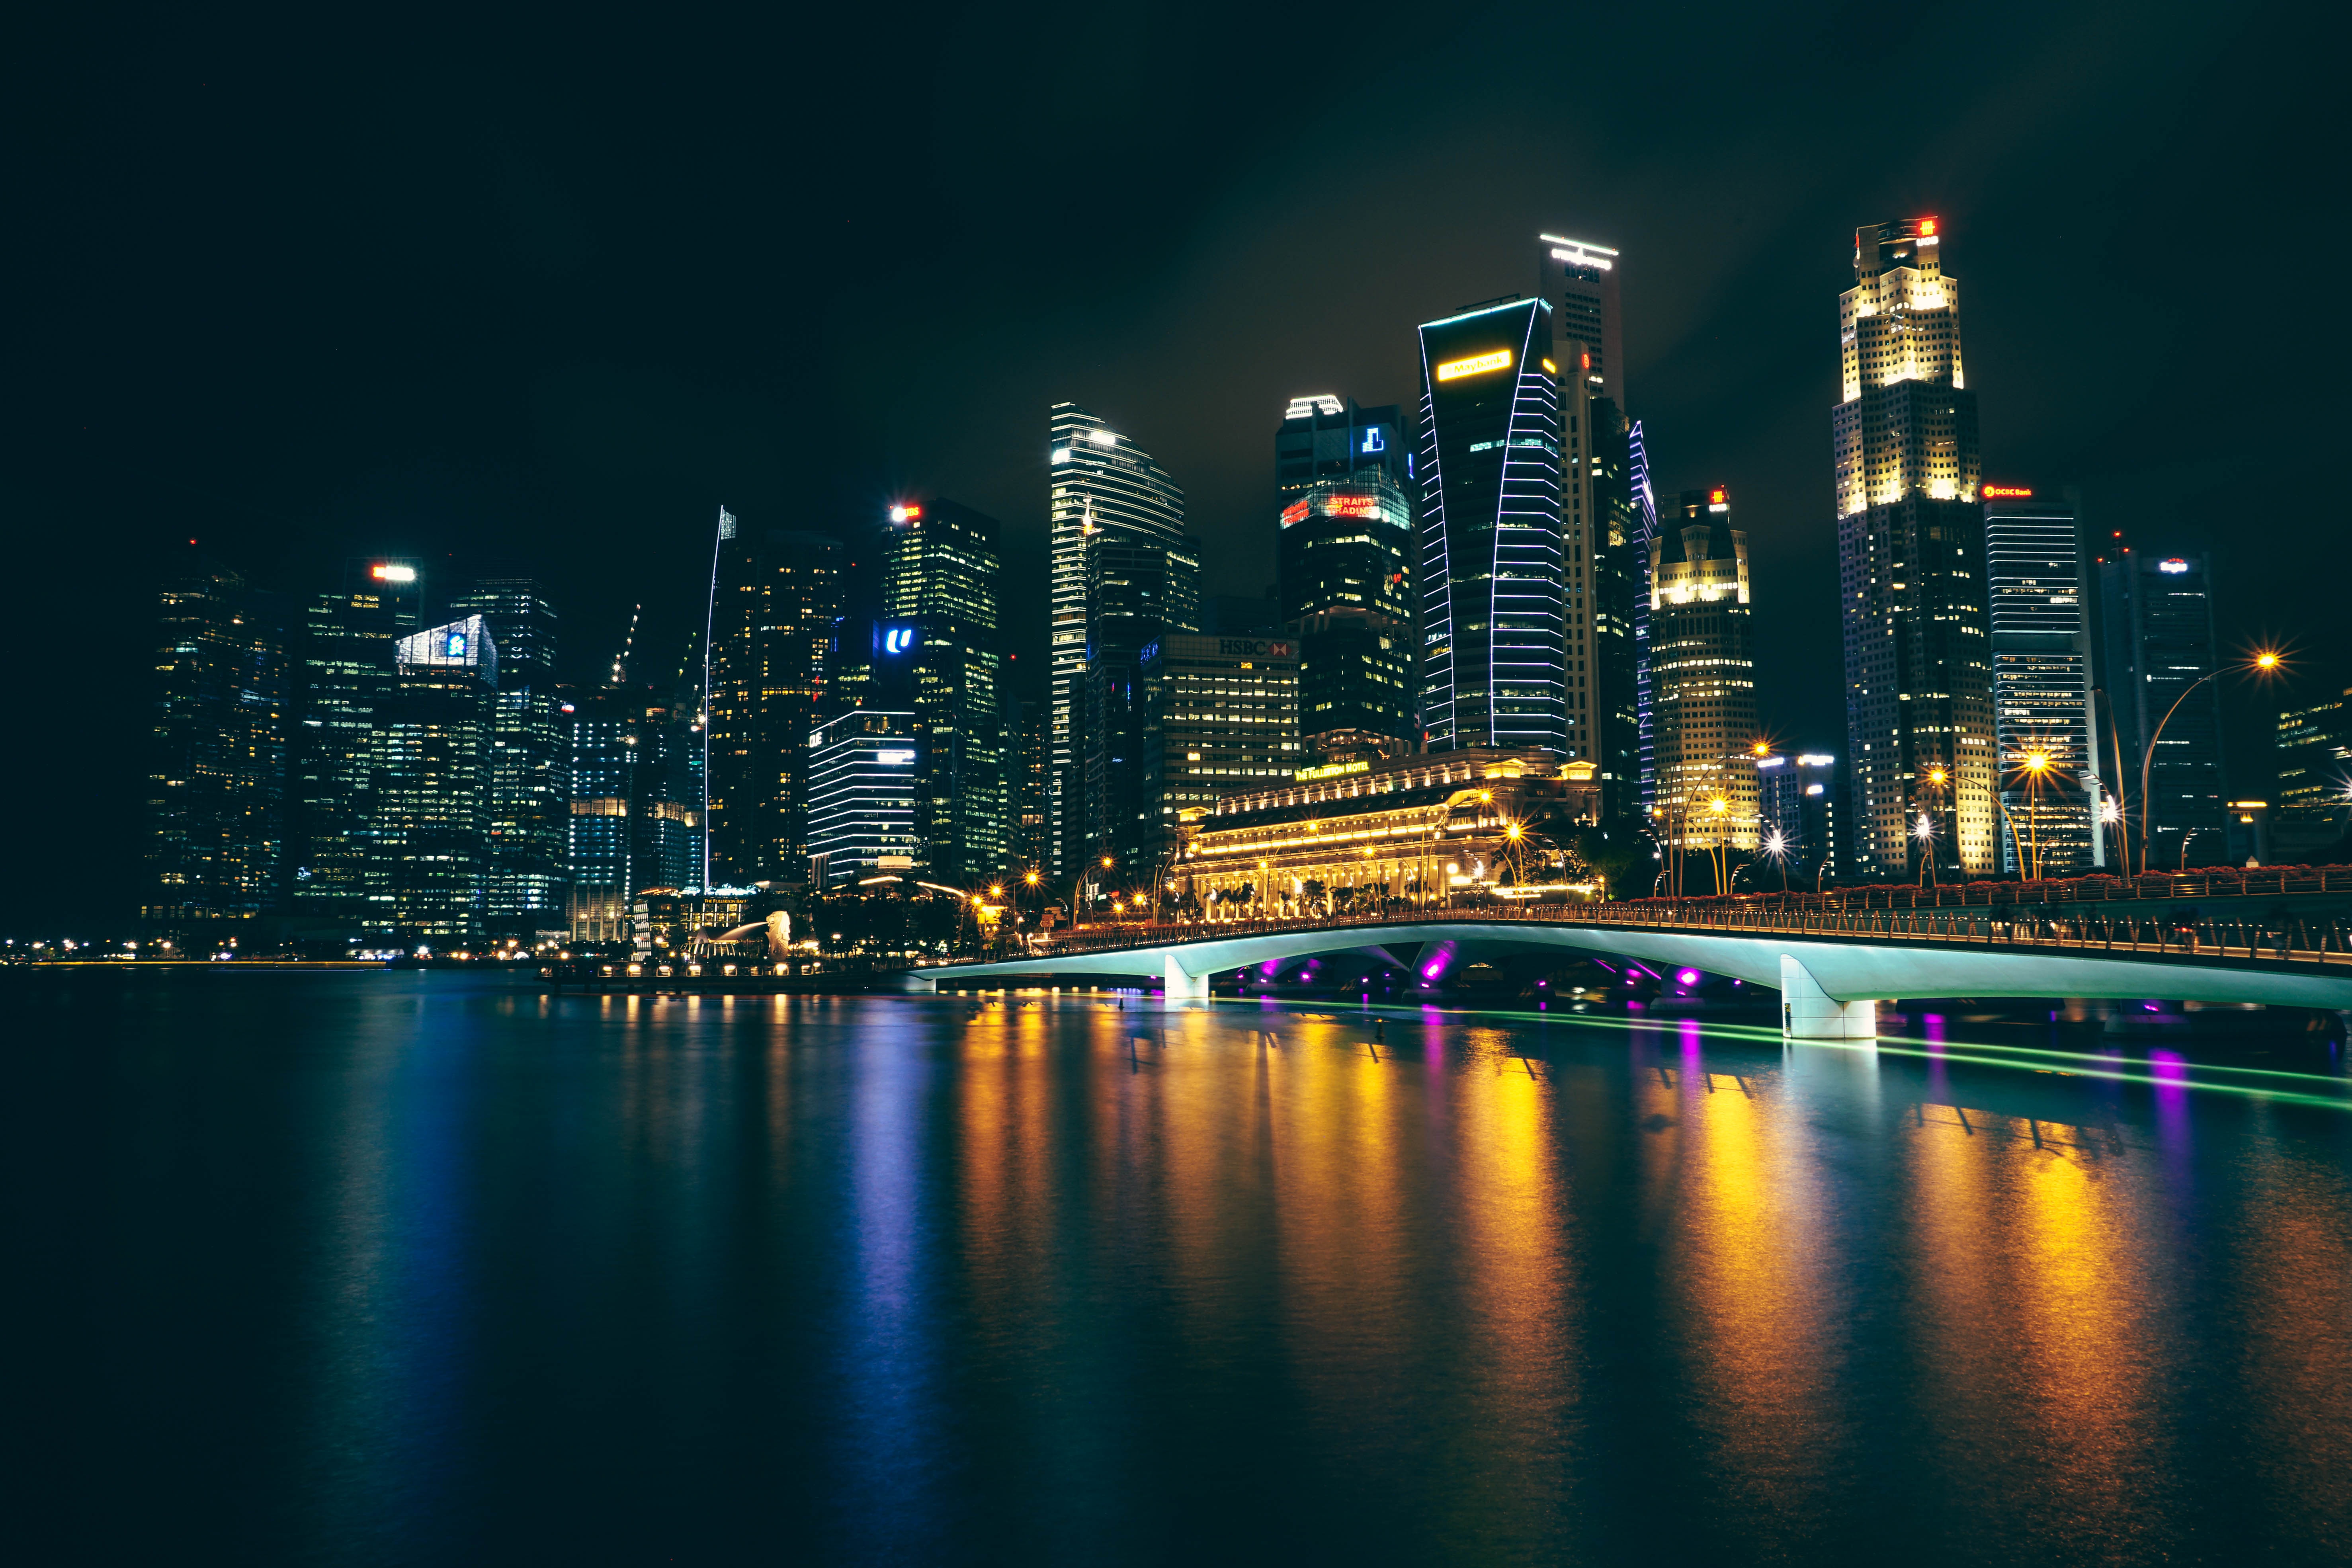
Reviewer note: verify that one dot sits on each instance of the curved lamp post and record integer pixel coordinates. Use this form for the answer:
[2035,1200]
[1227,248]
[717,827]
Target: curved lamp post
[2262,663]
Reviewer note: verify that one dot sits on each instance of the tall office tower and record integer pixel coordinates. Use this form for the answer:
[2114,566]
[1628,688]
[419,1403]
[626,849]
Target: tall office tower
[2315,779]
[1345,552]
[1102,485]
[1703,670]
[1911,560]
[1797,798]
[1323,438]
[528,826]
[635,808]
[864,781]
[1621,534]
[1224,716]
[940,571]
[2157,619]
[1027,747]
[2041,684]
[1138,590]
[775,595]
[217,760]
[1643,498]
[348,672]
[432,749]
[1495,600]
[1579,282]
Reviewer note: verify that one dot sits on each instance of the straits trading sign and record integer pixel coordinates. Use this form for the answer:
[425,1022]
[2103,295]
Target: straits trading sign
[1476,364]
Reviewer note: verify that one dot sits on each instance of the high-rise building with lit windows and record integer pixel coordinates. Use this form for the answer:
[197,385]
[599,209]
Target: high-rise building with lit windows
[1344,549]
[433,764]
[1919,711]
[2041,684]
[1703,672]
[349,675]
[775,596]
[1323,438]
[1224,716]
[529,823]
[1101,483]
[1138,591]
[939,569]
[216,762]
[2159,646]
[1604,523]
[1495,601]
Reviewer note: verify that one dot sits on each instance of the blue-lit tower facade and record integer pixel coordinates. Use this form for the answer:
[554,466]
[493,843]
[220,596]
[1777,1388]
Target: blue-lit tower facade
[1491,568]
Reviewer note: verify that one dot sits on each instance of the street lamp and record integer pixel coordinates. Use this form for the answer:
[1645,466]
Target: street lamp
[1923,830]
[2265,663]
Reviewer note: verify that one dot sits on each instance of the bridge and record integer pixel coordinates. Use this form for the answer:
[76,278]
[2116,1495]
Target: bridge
[2276,938]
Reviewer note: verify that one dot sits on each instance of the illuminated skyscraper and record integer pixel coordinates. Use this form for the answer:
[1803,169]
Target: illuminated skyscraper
[1344,551]
[775,595]
[1920,715]
[2156,615]
[863,785]
[528,824]
[1223,716]
[938,592]
[2041,684]
[1495,600]
[1323,439]
[1138,592]
[348,674]
[1604,547]
[1703,673]
[1101,483]
[432,746]
[635,807]
[217,766]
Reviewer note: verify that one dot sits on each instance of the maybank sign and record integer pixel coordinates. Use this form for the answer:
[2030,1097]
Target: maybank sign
[1330,771]
[1476,364]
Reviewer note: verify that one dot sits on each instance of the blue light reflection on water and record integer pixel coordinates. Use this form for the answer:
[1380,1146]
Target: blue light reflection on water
[408,1268]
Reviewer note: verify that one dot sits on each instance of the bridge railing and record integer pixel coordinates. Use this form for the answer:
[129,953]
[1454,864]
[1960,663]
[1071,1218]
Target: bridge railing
[2299,942]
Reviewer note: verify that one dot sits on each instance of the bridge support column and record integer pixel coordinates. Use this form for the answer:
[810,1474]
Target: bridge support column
[922,985]
[1181,986]
[1810,1013]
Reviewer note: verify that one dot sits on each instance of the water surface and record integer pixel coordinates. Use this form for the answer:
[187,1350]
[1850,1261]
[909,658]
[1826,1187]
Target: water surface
[418,1268]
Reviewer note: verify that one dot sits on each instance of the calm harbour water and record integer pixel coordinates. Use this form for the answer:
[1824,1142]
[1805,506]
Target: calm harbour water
[410,1267]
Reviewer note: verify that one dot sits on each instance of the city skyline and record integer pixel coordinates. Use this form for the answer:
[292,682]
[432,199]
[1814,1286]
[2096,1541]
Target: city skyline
[479,426]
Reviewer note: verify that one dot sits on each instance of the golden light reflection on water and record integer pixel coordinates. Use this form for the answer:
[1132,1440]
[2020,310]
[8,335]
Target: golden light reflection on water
[1763,1342]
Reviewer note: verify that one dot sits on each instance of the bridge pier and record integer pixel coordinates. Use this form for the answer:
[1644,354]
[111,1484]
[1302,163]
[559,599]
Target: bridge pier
[1810,1013]
[1180,986]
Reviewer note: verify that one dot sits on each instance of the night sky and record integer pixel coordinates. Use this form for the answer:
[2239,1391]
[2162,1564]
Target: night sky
[539,294]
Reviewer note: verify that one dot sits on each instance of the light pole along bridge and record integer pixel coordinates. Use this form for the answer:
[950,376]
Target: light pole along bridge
[2282,938]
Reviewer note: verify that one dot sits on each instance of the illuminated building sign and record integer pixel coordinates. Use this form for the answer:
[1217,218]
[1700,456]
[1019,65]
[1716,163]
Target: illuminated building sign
[1814,759]
[2011,492]
[2174,565]
[1373,441]
[456,647]
[1252,647]
[1926,228]
[894,759]
[1351,506]
[1294,512]
[898,639]
[1551,367]
[1330,771]
[392,574]
[906,515]
[1476,364]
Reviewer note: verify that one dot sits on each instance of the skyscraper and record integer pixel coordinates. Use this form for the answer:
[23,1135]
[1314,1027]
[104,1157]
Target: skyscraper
[336,884]
[2041,684]
[2315,779]
[1224,716]
[1918,671]
[1797,798]
[1703,673]
[1138,590]
[635,809]
[1101,483]
[2156,616]
[939,569]
[216,763]
[1027,746]
[775,595]
[1345,547]
[1322,438]
[1495,599]
[1579,282]
[432,750]
[528,822]
[1643,528]
[863,788]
